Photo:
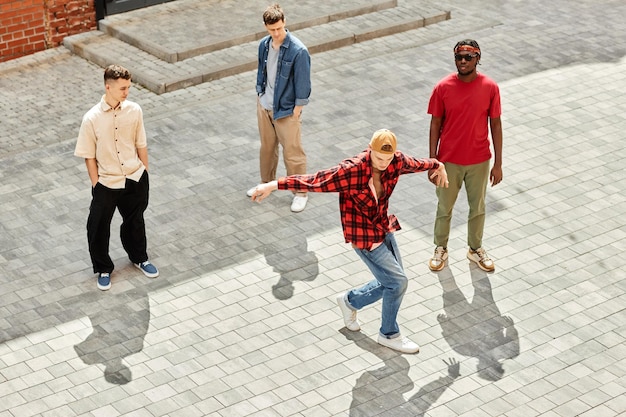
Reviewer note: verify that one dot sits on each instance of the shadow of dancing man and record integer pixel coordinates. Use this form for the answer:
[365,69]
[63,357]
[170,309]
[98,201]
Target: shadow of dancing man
[380,391]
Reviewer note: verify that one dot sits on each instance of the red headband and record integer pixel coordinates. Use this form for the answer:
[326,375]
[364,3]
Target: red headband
[467,48]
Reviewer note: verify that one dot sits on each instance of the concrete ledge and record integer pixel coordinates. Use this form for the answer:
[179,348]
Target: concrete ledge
[146,45]
[161,70]
[229,70]
[122,28]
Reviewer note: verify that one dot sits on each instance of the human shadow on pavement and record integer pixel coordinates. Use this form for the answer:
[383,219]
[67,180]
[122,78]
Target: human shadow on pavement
[476,328]
[380,391]
[118,331]
[293,261]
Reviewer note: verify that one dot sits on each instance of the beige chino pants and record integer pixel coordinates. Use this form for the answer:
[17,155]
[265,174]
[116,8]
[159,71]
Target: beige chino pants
[286,132]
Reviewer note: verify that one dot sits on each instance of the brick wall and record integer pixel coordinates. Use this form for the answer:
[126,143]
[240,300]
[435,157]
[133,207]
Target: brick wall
[28,26]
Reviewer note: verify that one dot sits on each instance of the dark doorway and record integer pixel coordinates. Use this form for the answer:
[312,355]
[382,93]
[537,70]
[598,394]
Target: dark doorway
[109,7]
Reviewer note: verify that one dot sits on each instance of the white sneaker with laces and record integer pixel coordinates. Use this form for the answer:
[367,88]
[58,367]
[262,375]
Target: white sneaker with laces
[401,344]
[481,258]
[438,261]
[299,203]
[348,314]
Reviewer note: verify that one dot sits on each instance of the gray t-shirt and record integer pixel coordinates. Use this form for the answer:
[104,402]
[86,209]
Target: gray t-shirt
[267,99]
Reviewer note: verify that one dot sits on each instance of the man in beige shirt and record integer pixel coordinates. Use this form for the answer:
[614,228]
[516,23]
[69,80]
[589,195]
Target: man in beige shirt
[112,139]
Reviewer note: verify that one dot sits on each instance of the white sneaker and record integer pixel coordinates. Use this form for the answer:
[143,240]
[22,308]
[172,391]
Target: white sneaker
[349,315]
[438,261]
[482,259]
[401,344]
[251,191]
[299,203]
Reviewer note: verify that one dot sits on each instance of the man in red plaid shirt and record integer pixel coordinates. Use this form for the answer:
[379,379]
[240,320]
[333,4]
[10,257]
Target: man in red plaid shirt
[365,183]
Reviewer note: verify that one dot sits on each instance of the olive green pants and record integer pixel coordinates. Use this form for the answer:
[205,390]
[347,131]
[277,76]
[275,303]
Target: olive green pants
[475,177]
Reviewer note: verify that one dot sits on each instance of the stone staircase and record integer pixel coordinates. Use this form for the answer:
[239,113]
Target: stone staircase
[187,42]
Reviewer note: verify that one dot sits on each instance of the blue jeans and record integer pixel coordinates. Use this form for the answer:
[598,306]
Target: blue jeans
[390,284]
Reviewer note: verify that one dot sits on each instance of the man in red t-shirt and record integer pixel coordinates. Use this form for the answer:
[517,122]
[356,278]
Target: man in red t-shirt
[464,106]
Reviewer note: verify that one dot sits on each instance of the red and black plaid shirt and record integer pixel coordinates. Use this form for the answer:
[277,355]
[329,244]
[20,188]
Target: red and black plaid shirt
[364,220]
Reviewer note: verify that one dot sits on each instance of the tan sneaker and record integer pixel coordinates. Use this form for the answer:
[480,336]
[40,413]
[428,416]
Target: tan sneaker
[438,261]
[482,259]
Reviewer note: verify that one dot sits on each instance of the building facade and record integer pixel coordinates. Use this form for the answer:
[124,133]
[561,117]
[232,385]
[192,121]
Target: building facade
[29,26]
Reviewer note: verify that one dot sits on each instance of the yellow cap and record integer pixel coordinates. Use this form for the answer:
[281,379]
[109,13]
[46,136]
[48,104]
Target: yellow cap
[383,141]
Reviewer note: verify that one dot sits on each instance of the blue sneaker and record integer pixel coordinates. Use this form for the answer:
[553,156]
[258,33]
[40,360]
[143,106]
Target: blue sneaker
[104,281]
[148,269]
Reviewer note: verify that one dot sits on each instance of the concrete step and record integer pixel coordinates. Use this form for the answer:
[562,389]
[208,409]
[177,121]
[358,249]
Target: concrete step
[319,32]
[157,29]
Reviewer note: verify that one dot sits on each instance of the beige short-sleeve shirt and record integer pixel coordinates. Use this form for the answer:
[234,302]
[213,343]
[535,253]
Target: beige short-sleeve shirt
[112,137]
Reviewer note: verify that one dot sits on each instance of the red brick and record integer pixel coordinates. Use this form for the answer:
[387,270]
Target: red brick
[18,28]
[11,15]
[56,22]
[56,40]
[27,26]
[56,9]
[75,20]
[17,42]
[72,6]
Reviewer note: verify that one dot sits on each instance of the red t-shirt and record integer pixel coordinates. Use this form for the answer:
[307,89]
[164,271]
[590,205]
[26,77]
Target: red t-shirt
[466,109]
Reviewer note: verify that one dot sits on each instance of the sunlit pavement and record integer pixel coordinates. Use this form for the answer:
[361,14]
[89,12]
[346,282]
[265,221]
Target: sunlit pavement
[242,320]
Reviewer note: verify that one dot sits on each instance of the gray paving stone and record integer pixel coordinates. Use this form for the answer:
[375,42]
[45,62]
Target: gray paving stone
[554,228]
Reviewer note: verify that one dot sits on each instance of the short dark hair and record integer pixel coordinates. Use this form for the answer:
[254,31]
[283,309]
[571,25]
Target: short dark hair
[273,14]
[115,72]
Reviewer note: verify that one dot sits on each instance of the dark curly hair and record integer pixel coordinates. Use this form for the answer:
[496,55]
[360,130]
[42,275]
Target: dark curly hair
[115,72]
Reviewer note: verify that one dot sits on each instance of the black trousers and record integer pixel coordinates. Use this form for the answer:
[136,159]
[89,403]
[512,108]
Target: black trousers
[131,202]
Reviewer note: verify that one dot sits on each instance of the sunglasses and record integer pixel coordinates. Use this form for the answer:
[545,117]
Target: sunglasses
[468,57]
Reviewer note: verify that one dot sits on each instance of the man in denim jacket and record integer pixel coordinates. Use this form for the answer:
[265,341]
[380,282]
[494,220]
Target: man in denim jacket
[283,87]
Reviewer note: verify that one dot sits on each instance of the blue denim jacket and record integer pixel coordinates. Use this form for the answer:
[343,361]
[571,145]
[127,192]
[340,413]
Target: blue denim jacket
[293,75]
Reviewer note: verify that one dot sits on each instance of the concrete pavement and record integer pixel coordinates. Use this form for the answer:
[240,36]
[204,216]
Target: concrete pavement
[242,320]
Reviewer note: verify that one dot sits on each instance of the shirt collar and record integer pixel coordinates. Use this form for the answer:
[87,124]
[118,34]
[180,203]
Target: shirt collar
[104,106]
